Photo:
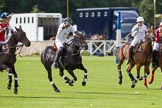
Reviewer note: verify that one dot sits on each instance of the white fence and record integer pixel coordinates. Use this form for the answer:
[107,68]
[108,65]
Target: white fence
[100,47]
[104,48]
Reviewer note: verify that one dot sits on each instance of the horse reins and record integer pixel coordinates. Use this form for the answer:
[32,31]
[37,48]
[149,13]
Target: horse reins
[18,46]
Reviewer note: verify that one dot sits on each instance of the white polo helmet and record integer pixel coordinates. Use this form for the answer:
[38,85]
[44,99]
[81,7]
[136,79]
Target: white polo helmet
[140,19]
[160,24]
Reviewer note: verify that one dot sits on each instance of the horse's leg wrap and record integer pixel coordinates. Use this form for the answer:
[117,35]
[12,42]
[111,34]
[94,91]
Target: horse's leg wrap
[85,77]
[66,78]
[54,87]
[16,82]
[15,85]
[134,82]
[9,79]
[131,76]
[120,77]
[120,74]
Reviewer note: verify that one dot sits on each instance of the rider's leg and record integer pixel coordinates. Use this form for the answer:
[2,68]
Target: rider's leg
[57,57]
[0,47]
[154,60]
[154,53]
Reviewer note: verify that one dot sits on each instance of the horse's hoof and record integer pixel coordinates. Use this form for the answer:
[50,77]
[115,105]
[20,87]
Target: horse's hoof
[132,86]
[146,87]
[70,84]
[140,78]
[120,82]
[9,86]
[15,91]
[83,83]
[150,82]
[57,90]
[67,81]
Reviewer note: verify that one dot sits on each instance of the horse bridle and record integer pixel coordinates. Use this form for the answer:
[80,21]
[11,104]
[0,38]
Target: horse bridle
[17,46]
[78,44]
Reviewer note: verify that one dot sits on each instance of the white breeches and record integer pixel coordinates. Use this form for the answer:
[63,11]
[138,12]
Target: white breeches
[135,41]
[59,43]
[157,46]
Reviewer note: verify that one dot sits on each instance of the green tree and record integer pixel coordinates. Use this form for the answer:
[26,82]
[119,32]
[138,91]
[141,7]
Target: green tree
[146,9]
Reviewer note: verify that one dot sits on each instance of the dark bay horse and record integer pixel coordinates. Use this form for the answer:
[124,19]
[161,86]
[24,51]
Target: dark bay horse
[8,59]
[159,61]
[141,58]
[70,61]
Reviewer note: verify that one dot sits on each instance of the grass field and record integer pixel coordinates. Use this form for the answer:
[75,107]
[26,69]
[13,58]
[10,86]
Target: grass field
[102,89]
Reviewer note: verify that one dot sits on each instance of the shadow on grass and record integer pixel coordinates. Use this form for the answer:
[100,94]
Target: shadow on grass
[43,97]
[108,93]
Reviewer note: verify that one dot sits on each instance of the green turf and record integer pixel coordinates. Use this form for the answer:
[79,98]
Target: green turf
[102,89]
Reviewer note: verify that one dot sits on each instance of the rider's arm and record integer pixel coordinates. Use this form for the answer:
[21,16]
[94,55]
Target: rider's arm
[3,29]
[134,30]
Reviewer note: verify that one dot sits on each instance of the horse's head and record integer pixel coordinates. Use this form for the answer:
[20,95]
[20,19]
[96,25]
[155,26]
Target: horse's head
[148,38]
[20,36]
[80,40]
[147,45]
[150,35]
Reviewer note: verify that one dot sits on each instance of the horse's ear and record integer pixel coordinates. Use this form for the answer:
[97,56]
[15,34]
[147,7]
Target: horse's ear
[83,33]
[16,28]
[20,27]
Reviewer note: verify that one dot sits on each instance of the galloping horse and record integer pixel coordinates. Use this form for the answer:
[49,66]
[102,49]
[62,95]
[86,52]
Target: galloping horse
[141,58]
[8,59]
[70,61]
[159,60]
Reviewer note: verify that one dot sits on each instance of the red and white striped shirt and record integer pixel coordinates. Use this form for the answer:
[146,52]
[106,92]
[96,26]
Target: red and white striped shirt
[2,32]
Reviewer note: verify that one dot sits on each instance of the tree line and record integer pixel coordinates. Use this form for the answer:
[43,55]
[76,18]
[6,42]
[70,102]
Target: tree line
[146,7]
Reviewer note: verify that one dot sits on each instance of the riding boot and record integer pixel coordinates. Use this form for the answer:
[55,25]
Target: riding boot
[57,57]
[130,55]
[154,61]
[0,47]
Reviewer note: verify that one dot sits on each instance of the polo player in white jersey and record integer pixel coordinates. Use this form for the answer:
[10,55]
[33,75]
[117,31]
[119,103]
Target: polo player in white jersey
[138,32]
[62,38]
